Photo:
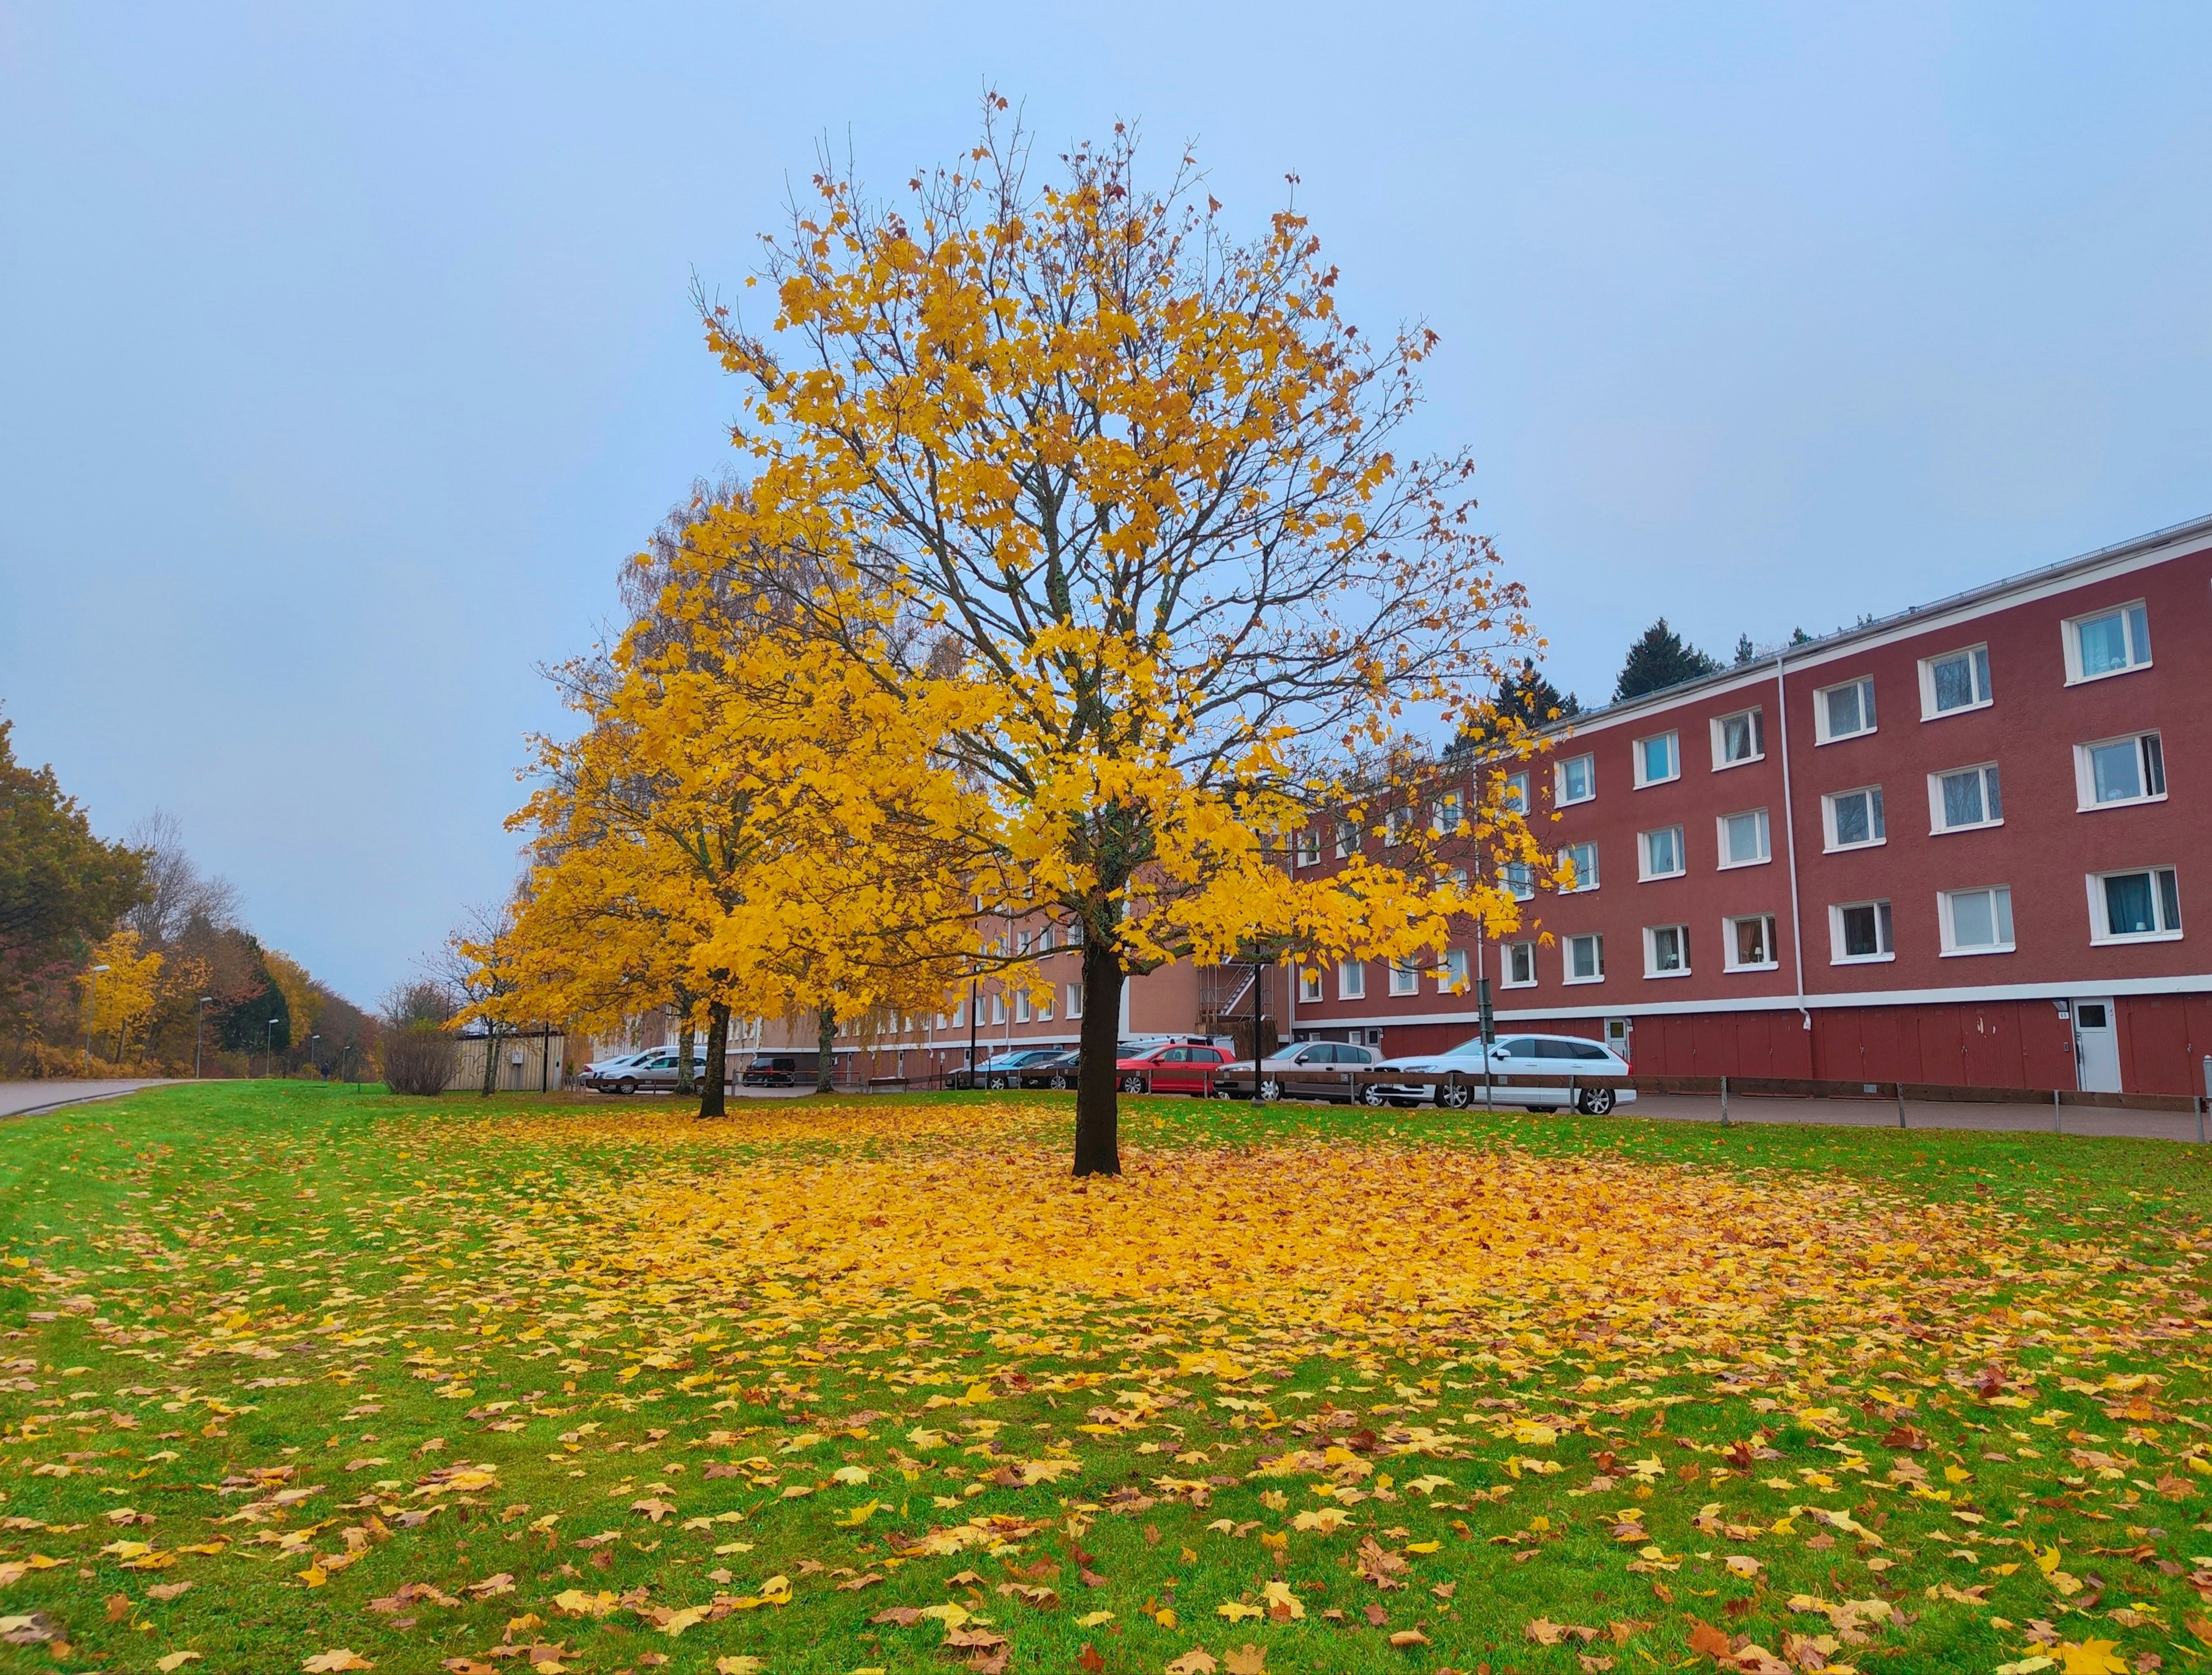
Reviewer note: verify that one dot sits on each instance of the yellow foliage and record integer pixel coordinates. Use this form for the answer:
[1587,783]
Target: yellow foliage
[119,1000]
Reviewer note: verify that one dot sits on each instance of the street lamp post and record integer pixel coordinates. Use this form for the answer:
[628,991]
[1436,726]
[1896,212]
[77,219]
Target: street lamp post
[314,1062]
[971,1030]
[199,1023]
[91,1005]
[269,1054]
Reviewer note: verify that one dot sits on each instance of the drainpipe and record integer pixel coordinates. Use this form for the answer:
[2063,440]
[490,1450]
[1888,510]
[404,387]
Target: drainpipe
[1790,836]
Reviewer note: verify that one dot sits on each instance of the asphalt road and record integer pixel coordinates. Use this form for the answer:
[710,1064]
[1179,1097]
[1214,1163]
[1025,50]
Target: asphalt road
[20,1099]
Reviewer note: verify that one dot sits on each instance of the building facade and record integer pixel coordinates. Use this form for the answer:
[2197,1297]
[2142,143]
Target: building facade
[1962,845]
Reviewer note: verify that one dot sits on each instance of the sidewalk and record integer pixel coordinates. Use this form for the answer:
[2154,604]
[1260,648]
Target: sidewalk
[21,1099]
[1876,1113]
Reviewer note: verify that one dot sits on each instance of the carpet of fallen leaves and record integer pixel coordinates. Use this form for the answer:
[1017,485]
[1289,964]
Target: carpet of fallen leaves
[873,1387]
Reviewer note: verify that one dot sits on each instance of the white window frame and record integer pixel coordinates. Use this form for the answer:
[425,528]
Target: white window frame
[1581,886]
[1651,935]
[1022,1005]
[1074,1000]
[1766,856]
[1646,872]
[1513,793]
[1311,979]
[1722,763]
[1821,735]
[1829,845]
[1945,910]
[1444,815]
[1520,880]
[2135,629]
[1396,822]
[1885,934]
[1588,763]
[2085,774]
[2100,930]
[1351,979]
[1348,839]
[1673,739]
[1404,977]
[1984,681]
[1506,980]
[1309,846]
[1986,769]
[1451,976]
[1567,957]
[998,1000]
[1729,960]
[1042,1007]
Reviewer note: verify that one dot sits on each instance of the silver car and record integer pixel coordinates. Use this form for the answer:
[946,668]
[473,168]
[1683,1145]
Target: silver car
[1540,1072]
[1305,1070]
[653,1071]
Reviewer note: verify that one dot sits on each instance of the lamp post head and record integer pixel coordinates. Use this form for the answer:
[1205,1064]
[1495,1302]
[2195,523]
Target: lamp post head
[96,970]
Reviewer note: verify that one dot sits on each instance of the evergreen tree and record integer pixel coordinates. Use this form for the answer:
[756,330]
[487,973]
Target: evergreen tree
[1524,694]
[1745,651]
[1659,659]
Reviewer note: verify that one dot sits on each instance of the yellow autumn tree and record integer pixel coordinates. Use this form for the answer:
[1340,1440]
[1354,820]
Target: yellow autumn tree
[1133,484]
[123,997]
[750,822]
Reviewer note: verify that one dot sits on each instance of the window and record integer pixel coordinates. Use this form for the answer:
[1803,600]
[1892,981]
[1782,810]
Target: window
[998,1009]
[1310,847]
[1404,977]
[1075,1000]
[1347,838]
[1964,797]
[1352,981]
[1444,814]
[1586,959]
[1075,933]
[1578,780]
[1021,1005]
[1452,979]
[959,1015]
[2120,770]
[1661,853]
[1310,982]
[1582,859]
[1394,827]
[1957,680]
[1854,818]
[2110,643]
[1521,880]
[1667,950]
[1737,738]
[2140,906]
[1513,792]
[1844,712]
[1520,965]
[1977,921]
[1022,941]
[1751,943]
[1044,940]
[1744,838]
[1658,758]
[1044,1007]
[1860,931]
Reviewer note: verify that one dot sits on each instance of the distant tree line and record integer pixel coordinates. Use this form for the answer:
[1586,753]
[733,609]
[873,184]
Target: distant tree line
[181,968]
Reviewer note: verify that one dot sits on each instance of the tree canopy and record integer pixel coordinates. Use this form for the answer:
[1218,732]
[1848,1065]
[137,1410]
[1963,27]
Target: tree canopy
[1660,659]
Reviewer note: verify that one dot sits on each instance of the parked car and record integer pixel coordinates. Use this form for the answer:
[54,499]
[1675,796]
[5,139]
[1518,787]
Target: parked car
[1546,1073]
[782,1069]
[1170,1069]
[1054,1070]
[655,1073]
[1002,1069]
[1305,1070]
[604,1073]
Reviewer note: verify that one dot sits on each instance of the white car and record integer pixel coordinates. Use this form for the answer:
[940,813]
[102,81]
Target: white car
[1545,1073]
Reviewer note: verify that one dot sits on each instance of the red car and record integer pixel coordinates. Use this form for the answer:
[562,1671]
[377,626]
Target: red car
[1170,1068]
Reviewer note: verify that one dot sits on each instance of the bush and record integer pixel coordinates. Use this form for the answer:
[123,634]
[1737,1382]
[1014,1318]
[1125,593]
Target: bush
[418,1060]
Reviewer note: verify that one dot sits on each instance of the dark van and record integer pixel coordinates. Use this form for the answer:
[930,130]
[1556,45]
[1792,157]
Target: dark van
[782,1069]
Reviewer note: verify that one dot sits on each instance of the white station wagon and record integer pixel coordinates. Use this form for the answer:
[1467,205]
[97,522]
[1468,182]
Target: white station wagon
[1548,1071]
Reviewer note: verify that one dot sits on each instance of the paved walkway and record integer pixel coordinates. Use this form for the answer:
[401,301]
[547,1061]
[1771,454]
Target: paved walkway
[2079,1119]
[20,1099]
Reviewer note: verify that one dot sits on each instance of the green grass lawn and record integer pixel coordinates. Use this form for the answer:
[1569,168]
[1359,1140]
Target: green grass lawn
[526,1385]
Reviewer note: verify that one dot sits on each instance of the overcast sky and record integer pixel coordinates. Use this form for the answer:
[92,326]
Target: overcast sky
[345,350]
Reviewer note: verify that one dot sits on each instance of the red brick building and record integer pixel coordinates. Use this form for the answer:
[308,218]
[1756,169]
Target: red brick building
[1963,845]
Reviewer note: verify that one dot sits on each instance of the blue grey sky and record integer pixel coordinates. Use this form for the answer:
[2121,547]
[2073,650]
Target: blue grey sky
[346,349]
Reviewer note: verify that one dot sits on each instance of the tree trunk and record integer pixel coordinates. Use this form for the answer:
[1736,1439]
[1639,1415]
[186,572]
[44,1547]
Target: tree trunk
[684,1037]
[718,1059]
[491,1060]
[826,1049]
[1098,1109]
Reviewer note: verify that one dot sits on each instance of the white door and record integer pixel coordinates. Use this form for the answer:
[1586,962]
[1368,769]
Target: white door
[1617,1034]
[2096,1047]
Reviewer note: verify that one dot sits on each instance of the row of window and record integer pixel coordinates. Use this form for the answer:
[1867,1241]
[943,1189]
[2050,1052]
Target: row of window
[993,1008]
[2108,774]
